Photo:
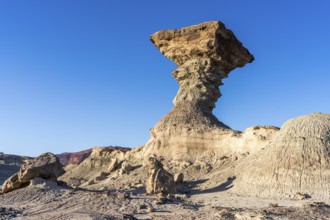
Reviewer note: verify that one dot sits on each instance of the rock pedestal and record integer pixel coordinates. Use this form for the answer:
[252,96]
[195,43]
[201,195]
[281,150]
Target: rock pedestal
[205,54]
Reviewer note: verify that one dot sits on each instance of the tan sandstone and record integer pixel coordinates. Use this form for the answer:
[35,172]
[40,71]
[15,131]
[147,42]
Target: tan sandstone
[297,161]
[159,180]
[46,166]
[205,54]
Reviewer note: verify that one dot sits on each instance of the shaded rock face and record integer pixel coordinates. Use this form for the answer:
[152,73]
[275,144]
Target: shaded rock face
[297,161]
[160,180]
[205,54]
[46,166]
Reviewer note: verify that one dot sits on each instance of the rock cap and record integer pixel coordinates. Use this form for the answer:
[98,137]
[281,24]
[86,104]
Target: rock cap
[206,40]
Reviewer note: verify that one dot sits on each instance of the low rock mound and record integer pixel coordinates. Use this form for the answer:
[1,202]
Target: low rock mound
[297,161]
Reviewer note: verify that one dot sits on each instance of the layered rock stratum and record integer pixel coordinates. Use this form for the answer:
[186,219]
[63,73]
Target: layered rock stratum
[205,54]
[297,161]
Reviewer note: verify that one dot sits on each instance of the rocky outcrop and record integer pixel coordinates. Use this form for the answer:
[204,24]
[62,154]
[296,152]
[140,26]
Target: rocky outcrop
[75,158]
[46,166]
[102,159]
[297,161]
[159,180]
[205,54]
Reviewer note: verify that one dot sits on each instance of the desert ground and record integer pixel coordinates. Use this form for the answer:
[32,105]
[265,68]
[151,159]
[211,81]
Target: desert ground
[205,193]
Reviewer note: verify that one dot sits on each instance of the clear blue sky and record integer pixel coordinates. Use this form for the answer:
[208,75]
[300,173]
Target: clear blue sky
[76,74]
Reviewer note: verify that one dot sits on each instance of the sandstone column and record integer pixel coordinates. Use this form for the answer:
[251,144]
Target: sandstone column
[205,54]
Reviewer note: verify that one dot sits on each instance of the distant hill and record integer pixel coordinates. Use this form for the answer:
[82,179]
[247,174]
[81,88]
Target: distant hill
[10,164]
[76,158]
[13,160]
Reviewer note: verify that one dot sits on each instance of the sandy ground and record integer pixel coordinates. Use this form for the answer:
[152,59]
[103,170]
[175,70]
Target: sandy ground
[206,193]
[197,198]
[32,203]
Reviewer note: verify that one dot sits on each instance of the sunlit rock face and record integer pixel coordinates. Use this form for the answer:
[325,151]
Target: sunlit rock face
[205,54]
[211,40]
[297,160]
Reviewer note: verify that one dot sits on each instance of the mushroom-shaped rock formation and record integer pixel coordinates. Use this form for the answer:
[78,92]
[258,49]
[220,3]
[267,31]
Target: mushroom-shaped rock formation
[297,161]
[205,54]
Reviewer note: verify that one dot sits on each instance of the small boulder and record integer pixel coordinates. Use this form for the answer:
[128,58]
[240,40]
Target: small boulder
[126,167]
[41,183]
[11,183]
[122,195]
[101,176]
[150,209]
[46,166]
[160,180]
[178,178]
[300,196]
